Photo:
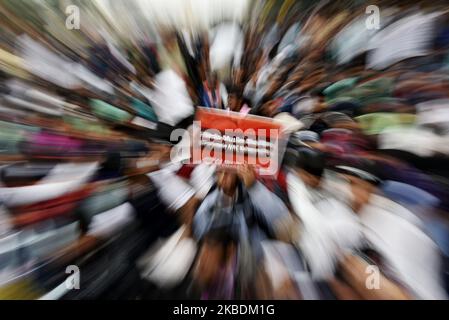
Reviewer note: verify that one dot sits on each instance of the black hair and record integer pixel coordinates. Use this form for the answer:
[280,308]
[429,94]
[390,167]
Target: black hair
[113,162]
[264,100]
[222,235]
[318,92]
[3,87]
[319,126]
[310,160]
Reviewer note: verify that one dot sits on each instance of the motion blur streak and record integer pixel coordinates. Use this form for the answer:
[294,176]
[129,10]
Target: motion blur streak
[97,201]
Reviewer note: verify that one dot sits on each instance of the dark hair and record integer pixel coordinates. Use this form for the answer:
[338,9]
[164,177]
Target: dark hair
[307,159]
[3,87]
[113,161]
[319,126]
[311,161]
[318,91]
[222,235]
[236,90]
[264,100]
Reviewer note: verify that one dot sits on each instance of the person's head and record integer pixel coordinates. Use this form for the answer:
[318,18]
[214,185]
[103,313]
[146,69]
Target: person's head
[234,101]
[363,184]
[275,83]
[318,95]
[147,81]
[268,107]
[113,162]
[309,165]
[361,190]
[296,75]
[308,138]
[319,126]
[216,250]
[227,181]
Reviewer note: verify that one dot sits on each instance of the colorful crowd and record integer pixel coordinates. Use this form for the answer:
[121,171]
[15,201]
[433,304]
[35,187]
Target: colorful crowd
[358,210]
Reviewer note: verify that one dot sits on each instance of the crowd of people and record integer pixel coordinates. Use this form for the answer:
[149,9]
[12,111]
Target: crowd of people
[358,209]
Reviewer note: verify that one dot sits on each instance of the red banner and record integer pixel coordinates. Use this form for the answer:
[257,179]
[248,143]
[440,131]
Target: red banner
[229,138]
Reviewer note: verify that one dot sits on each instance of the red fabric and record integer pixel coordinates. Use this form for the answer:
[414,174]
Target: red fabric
[67,198]
[29,214]
[186,171]
[282,180]
[39,215]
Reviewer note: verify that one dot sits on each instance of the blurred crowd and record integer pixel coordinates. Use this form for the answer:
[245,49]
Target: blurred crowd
[89,176]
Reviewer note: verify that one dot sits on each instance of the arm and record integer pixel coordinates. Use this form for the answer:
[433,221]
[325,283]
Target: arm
[201,219]
[269,208]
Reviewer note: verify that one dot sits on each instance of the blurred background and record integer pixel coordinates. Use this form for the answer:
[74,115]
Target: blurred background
[98,202]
